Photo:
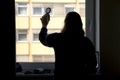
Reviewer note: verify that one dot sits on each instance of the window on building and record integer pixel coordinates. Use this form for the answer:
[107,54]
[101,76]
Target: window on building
[37,11]
[21,35]
[22,9]
[35,37]
[69,9]
[40,11]
[52,11]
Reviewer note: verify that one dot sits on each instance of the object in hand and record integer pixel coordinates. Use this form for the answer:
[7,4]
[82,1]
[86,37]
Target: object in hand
[48,10]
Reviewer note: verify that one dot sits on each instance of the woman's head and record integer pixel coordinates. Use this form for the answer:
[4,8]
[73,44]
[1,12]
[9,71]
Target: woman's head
[73,23]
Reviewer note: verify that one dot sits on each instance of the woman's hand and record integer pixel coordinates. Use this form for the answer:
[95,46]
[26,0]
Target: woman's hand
[45,20]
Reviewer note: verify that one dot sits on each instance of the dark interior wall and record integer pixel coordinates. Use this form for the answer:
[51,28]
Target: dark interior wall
[110,36]
[7,39]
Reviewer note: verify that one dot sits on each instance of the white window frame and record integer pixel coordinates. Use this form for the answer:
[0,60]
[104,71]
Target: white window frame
[90,24]
[20,6]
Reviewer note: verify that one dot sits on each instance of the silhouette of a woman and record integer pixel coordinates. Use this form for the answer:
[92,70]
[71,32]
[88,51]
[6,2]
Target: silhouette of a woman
[74,53]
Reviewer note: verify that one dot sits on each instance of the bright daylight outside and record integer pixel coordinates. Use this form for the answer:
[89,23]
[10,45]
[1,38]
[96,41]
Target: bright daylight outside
[28,25]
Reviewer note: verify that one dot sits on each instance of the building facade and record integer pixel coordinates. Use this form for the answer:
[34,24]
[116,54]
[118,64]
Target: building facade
[28,25]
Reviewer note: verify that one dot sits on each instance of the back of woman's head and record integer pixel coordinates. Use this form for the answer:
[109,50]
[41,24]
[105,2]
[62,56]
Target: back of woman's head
[73,23]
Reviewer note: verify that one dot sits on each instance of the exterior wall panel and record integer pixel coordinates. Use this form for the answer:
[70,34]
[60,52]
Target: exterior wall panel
[22,22]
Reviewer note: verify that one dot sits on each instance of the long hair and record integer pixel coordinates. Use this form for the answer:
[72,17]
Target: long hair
[73,24]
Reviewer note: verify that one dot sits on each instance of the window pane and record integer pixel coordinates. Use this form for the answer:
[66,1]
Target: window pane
[35,37]
[37,11]
[68,10]
[22,37]
[22,11]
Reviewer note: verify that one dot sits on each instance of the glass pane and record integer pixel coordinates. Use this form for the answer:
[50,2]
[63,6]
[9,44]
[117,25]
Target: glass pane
[37,11]
[22,11]
[22,37]
[31,50]
[68,10]
[35,37]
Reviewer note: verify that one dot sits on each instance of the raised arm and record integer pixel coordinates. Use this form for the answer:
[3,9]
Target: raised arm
[43,36]
[43,32]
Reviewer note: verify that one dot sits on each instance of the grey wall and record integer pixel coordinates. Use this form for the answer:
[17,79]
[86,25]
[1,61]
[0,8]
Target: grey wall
[90,19]
[110,36]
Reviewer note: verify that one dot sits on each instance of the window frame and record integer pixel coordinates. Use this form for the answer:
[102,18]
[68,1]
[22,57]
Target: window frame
[20,6]
[88,23]
[37,14]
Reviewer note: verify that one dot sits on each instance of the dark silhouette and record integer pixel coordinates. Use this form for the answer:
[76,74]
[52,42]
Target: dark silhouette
[74,53]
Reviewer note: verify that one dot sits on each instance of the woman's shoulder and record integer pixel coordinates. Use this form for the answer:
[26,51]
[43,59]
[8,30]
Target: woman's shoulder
[55,34]
[53,39]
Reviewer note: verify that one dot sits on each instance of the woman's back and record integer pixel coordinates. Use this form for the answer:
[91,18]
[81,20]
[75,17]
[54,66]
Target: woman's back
[73,54]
